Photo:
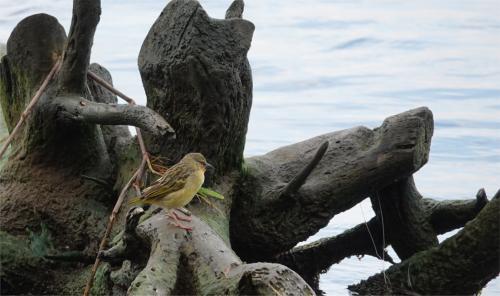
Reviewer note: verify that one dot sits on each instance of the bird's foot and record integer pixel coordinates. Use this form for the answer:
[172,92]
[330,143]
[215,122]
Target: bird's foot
[177,224]
[182,218]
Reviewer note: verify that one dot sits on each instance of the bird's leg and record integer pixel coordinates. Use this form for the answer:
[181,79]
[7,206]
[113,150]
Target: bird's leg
[185,211]
[181,218]
[176,222]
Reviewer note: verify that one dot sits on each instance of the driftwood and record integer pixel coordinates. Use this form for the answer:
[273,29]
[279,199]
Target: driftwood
[474,250]
[212,266]
[357,162]
[196,75]
[61,150]
[370,238]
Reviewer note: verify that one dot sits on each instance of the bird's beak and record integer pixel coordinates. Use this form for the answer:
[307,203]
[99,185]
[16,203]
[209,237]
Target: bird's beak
[209,166]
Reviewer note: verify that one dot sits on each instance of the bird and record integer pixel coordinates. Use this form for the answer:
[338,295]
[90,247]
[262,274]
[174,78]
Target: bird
[176,187]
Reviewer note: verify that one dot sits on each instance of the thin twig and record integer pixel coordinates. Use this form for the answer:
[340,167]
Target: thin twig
[30,106]
[383,240]
[109,87]
[134,181]
[144,151]
[369,232]
[111,221]
[131,101]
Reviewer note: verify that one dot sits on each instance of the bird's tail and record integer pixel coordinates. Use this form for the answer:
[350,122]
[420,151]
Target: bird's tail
[136,201]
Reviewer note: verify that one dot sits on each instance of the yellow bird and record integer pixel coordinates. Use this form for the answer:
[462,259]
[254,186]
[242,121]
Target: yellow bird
[177,186]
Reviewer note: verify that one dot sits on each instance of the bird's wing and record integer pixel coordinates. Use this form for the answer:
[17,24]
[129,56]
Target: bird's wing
[173,180]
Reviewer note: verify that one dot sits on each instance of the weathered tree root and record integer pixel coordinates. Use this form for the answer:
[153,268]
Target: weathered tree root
[80,109]
[452,214]
[312,259]
[116,137]
[205,89]
[195,71]
[411,223]
[29,107]
[67,100]
[62,140]
[358,162]
[122,250]
[474,252]
[198,262]
[19,264]
[136,177]
[86,15]
[398,207]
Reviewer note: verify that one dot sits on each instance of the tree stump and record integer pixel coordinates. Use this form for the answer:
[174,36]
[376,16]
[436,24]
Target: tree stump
[73,154]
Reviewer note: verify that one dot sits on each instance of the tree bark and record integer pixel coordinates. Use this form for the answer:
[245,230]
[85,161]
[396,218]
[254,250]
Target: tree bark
[64,168]
[357,162]
[475,255]
[311,260]
[79,109]
[86,15]
[59,175]
[412,223]
[195,72]
[452,214]
[199,262]
[48,157]
[399,208]
[116,137]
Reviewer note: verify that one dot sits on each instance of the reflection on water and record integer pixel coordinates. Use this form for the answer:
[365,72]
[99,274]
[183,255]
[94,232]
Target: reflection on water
[327,65]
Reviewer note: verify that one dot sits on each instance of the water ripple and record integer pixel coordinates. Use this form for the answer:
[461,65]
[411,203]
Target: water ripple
[443,93]
[358,42]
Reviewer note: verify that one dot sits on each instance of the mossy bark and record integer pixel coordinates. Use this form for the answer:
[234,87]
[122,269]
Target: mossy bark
[195,72]
[19,265]
[49,176]
[461,265]
[66,167]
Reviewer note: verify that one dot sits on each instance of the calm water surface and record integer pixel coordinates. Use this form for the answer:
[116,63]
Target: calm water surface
[324,65]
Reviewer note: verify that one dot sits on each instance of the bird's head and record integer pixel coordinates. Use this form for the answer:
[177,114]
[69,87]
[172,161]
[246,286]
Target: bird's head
[197,159]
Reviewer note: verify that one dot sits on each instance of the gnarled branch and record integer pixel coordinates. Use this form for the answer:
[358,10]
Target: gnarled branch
[301,177]
[451,214]
[212,266]
[475,254]
[129,242]
[412,223]
[358,162]
[73,75]
[77,108]
[311,259]
[405,225]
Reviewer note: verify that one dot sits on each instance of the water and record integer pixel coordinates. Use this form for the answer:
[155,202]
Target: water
[328,65]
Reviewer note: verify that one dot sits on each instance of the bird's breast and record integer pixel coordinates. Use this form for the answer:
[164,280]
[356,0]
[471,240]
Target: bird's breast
[194,181]
[185,195]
